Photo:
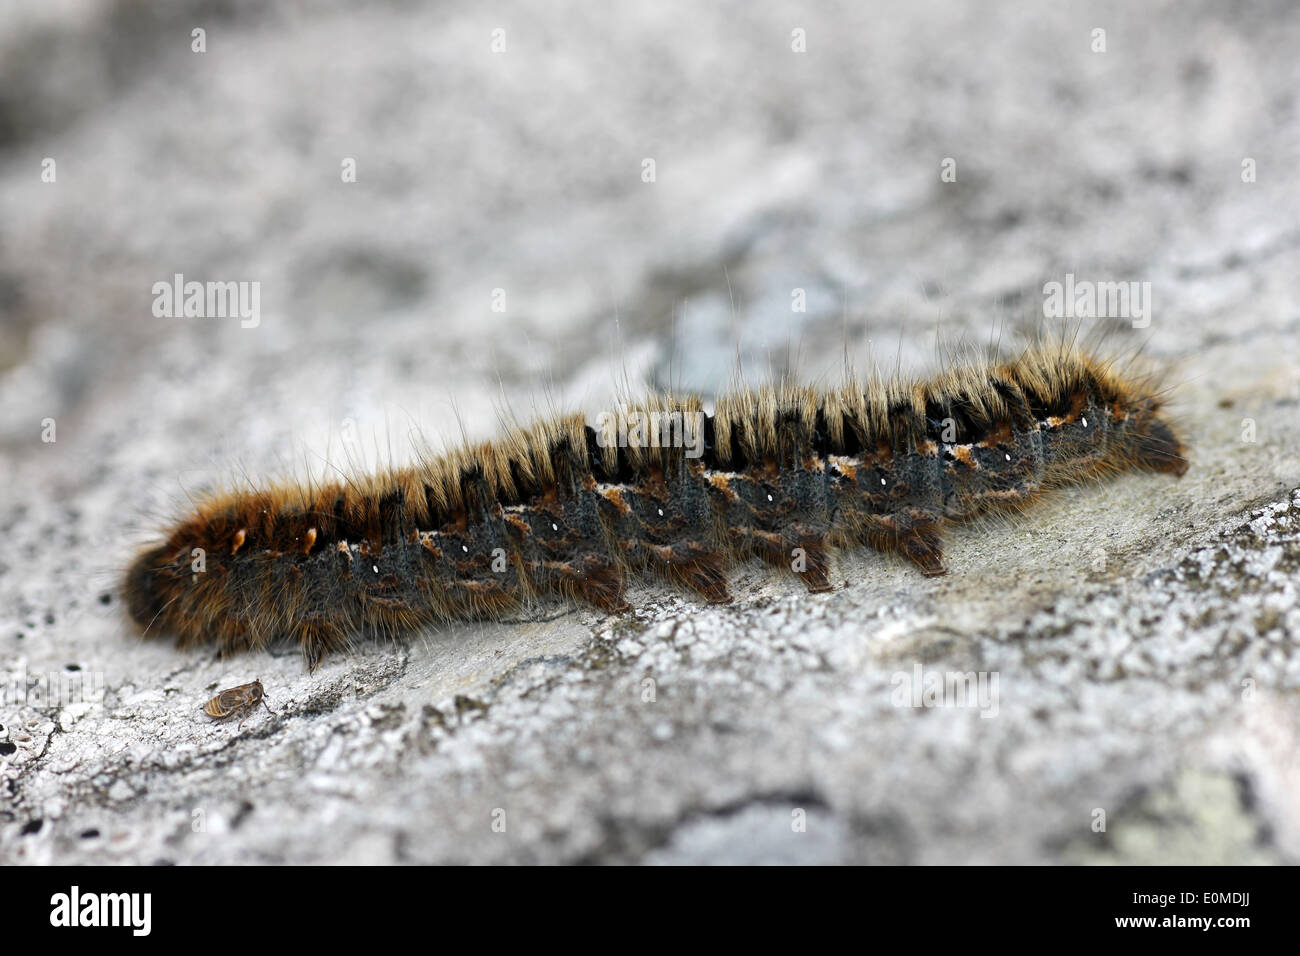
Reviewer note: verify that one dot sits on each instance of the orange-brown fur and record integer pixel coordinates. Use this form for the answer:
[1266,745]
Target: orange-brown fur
[268,555]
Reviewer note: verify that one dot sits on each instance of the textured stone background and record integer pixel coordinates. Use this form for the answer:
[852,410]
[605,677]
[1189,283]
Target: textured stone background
[1143,632]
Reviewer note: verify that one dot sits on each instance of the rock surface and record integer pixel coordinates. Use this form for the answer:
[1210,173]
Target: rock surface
[1137,639]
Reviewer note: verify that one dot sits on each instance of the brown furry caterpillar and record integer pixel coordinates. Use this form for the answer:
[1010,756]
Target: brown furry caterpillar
[560,510]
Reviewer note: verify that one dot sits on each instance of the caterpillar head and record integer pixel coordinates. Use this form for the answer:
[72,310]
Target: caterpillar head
[1150,442]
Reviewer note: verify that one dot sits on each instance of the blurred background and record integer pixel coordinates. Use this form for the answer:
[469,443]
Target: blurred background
[454,208]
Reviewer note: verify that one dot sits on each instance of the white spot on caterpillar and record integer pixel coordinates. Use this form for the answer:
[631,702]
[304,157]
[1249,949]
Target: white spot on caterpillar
[1085,423]
[465,548]
[769,497]
[882,481]
[1007,457]
[375,568]
[554,526]
[661,512]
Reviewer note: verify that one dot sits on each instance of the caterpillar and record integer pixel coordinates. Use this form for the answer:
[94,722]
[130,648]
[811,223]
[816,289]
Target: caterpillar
[563,510]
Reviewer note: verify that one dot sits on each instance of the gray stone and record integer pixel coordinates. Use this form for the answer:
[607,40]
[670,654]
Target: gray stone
[1142,632]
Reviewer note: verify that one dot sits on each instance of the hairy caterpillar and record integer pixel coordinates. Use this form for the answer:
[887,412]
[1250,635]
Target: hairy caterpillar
[557,510]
